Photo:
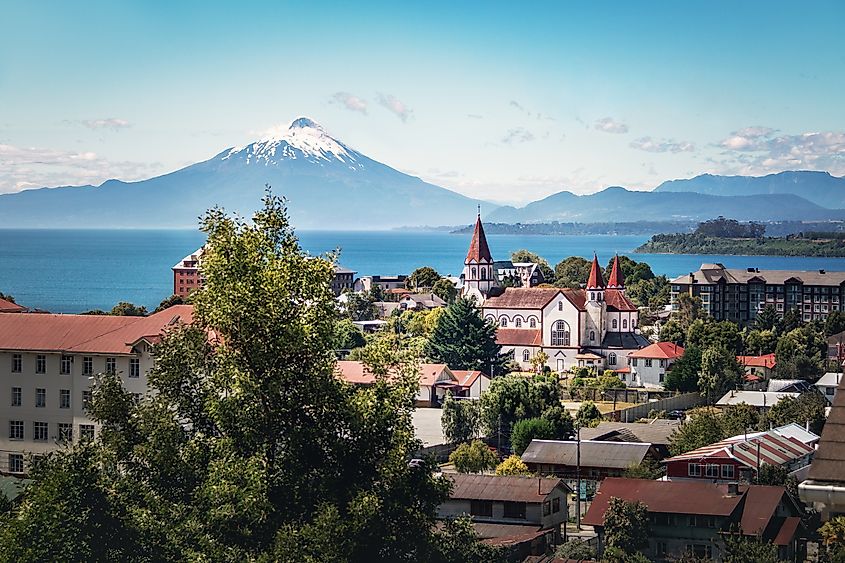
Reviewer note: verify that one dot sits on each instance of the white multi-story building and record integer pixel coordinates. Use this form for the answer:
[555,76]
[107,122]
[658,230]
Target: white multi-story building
[47,366]
[648,367]
[591,327]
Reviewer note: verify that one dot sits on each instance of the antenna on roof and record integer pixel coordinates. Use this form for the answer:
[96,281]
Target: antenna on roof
[479,210]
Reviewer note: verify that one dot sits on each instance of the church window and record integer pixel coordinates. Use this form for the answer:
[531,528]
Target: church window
[592,335]
[560,334]
[503,321]
[472,273]
[526,356]
[532,323]
[518,322]
[560,305]
[483,273]
[624,323]
[592,296]
[611,359]
[615,323]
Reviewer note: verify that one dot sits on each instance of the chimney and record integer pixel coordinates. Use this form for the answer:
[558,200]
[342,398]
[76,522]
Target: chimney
[733,489]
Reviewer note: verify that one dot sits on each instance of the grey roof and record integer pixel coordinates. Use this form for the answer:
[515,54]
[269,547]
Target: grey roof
[656,431]
[753,398]
[594,453]
[502,487]
[830,379]
[624,340]
[712,273]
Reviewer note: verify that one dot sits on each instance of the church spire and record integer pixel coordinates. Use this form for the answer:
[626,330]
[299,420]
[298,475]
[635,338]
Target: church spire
[596,280]
[616,280]
[478,249]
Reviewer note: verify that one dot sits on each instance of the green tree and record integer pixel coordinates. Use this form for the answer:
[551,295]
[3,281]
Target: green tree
[360,306]
[575,550]
[767,319]
[572,272]
[720,372]
[646,469]
[707,333]
[683,377]
[791,319]
[588,415]
[474,457]
[760,342]
[8,297]
[834,323]
[529,429]
[528,256]
[462,339]
[347,336]
[778,476]
[511,398]
[250,447]
[739,419]
[742,549]
[512,465]
[459,419]
[672,331]
[445,290]
[689,309]
[802,351]
[422,278]
[807,407]
[561,421]
[124,309]
[702,428]
[170,302]
[626,525]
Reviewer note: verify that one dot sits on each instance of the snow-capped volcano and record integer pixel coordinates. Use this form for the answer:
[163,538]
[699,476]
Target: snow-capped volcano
[328,185]
[303,139]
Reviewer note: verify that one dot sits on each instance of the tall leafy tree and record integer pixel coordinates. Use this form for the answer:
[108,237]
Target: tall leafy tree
[125,309]
[420,278]
[719,372]
[445,290]
[683,376]
[702,428]
[572,271]
[462,339]
[767,319]
[530,429]
[459,419]
[250,448]
[626,526]
[512,398]
[474,457]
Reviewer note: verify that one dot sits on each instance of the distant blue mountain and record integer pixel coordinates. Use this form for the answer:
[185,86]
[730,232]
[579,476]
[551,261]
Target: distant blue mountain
[621,205]
[818,187]
[328,185]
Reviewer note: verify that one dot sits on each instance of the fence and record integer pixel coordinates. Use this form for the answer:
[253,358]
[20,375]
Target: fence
[675,402]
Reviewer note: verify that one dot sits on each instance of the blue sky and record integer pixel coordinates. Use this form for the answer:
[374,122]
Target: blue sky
[505,101]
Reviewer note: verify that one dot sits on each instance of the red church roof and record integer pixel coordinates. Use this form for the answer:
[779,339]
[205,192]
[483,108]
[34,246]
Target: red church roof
[596,280]
[616,280]
[478,249]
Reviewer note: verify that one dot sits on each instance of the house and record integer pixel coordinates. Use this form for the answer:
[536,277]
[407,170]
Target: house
[508,506]
[824,488]
[740,457]
[650,364]
[761,400]
[696,516]
[384,283]
[761,366]
[739,294]
[518,274]
[655,432]
[435,381]
[827,385]
[420,302]
[599,459]
[7,306]
[598,323]
[47,363]
[187,276]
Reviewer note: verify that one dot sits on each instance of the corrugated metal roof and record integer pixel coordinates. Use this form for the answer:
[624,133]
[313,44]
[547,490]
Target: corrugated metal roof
[503,487]
[594,453]
[774,449]
[657,431]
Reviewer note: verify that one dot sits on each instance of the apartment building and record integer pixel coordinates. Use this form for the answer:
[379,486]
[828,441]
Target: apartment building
[739,294]
[47,367]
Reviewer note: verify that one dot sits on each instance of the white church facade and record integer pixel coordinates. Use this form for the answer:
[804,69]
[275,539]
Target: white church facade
[591,327]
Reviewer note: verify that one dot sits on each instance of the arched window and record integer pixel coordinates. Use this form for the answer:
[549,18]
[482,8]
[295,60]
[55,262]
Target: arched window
[532,322]
[503,321]
[615,323]
[491,318]
[592,335]
[560,334]
[624,323]
[483,273]
[472,273]
[518,322]
[592,296]
[526,356]
[611,359]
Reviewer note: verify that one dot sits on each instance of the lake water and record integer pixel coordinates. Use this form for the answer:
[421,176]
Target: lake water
[69,271]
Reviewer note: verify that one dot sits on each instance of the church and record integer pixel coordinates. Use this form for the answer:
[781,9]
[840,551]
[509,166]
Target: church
[593,327]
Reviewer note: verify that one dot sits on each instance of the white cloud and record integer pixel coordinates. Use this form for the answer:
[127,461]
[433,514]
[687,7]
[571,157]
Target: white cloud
[29,167]
[651,144]
[395,106]
[112,123]
[350,102]
[610,125]
[756,150]
[518,135]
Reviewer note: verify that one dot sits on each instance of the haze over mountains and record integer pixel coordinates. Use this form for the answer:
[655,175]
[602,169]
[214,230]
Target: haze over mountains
[334,187]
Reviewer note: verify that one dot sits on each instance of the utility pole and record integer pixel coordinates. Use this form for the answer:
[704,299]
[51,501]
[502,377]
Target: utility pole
[578,477]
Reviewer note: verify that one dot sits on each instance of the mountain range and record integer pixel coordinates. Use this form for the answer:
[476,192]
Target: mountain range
[331,186]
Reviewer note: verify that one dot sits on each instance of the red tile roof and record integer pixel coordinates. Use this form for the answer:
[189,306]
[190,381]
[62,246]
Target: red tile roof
[467,377]
[358,373]
[96,334]
[519,337]
[617,300]
[578,297]
[7,306]
[478,249]
[596,280]
[616,280]
[764,361]
[664,350]
[522,298]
